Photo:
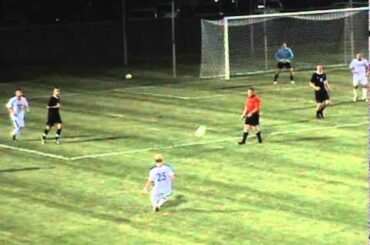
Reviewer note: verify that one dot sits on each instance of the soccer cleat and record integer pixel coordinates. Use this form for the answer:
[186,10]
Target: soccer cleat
[318,115]
[364,99]
[275,82]
[241,142]
[292,82]
[354,99]
[43,140]
[322,115]
[14,137]
[156,209]
[57,141]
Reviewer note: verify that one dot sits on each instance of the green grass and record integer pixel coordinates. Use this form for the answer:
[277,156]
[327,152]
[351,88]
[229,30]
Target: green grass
[305,185]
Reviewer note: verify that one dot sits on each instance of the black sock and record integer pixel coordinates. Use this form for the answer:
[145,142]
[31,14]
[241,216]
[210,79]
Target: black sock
[59,131]
[46,131]
[245,137]
[259,137]
[276,77]
[291,78]
[321,110]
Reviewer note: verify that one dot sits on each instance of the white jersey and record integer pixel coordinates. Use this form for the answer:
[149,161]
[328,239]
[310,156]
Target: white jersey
[162,178]
[19,106]
[359,67]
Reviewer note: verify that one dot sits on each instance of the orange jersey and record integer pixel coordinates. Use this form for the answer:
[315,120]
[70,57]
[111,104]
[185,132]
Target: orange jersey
[253,103]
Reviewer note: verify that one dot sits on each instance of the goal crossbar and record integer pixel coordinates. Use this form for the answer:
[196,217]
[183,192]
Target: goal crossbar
[329,11]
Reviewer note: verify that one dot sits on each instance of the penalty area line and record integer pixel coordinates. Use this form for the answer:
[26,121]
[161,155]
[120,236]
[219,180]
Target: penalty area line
[200,97]
[34,152]
[174,146]
[150,149]
[118,153]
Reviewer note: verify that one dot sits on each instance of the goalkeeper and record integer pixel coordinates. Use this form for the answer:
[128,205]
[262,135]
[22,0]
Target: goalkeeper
[284,57]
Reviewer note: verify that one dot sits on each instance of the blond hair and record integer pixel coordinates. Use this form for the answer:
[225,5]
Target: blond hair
[158,158]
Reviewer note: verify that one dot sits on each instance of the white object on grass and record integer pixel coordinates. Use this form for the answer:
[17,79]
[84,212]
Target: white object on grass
[201,131]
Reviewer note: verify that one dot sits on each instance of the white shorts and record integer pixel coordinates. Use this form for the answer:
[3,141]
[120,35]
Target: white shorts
[360,80]
[18,122]
[157,196]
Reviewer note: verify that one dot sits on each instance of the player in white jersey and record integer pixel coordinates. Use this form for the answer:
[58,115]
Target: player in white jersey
[160,180]
[360,68]
[17,107]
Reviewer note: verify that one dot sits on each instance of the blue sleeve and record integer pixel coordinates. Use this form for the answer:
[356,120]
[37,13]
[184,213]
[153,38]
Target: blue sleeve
[277,55]
[291,54]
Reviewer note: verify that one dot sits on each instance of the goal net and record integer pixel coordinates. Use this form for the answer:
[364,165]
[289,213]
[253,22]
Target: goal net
[247,44]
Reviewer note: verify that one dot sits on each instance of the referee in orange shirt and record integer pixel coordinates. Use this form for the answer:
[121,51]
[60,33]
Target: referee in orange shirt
[251,115]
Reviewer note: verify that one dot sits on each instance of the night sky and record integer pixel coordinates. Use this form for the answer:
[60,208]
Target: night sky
[25,12]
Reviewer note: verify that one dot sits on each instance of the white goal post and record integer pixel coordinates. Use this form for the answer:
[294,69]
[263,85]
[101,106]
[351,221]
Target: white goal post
[242,45]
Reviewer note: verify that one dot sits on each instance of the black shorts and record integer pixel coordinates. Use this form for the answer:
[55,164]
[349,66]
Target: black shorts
[53,118]
[321,96]
[282,65]
[254,120]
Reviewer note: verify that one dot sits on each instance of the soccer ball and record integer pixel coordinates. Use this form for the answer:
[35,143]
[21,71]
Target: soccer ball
[201,131]
[128,76]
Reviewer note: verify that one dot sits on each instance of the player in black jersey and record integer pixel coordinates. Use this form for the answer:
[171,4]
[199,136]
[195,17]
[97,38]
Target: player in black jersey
[320,84]
[53,116]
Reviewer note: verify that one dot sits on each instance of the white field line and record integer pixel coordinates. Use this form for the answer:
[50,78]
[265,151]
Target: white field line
[139,91]
[118,153]
[46,96]
[34,152]
[130,91]
[150,149]
[206,142]
[72,94]
[152,94]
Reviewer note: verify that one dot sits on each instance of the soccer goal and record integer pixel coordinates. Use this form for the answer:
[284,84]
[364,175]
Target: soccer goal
[243,45]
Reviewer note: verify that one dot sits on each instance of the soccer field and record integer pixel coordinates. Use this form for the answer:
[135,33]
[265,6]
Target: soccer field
[307,184]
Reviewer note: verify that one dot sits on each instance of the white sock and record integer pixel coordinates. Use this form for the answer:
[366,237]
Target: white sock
[355,92]
[17,131]
[364,93]
[161,202]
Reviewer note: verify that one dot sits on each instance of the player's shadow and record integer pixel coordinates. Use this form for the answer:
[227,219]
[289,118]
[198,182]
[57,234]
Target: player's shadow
[301,139]
[290,123]
[64,137]
[179,199]
[77,136]
[14,170]
[296,109]
[95,139]
[195,210]
[352,116]
[339,103]
[244,86]
[348,102]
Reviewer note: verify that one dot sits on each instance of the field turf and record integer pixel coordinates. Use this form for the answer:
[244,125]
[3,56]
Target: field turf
[307,184]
